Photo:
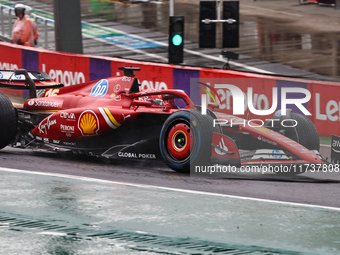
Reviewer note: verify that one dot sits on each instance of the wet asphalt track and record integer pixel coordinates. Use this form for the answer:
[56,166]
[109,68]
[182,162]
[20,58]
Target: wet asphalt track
[310,188]
[74,204]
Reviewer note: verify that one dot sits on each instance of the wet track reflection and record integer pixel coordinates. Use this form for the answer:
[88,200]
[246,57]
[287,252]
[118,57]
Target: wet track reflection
[300,36]
[275,39]
[322,186]
[64,214]
[95,166]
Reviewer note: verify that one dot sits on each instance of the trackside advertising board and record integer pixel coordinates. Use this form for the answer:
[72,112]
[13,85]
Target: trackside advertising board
[319,99]
[65,68]
[325,107]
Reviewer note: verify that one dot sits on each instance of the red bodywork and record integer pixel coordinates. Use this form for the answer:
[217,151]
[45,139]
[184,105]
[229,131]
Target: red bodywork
[94,109]
[328,2]
[63,116]
[272,138]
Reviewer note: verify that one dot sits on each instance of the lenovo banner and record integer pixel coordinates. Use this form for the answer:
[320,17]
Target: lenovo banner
[245,95]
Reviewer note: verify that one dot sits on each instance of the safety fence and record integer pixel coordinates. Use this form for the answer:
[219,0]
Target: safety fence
[7,19]
[71,69]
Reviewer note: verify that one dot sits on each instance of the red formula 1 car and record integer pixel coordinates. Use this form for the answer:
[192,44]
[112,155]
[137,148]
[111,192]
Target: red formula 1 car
[113,118]
[320,2]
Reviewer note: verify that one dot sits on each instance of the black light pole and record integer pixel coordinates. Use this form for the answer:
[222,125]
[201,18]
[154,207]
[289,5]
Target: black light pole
[67,25]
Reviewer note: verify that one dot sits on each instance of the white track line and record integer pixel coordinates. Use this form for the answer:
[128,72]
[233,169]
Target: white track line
[87,179]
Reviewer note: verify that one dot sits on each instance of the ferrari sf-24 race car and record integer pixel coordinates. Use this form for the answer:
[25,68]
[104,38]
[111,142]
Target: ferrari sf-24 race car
[113,118]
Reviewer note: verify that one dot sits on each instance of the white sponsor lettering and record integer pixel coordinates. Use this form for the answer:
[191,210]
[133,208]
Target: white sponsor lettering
[46,126]
[8,66]
[118,97]
[116,88]
[66,77]
[336,143]
[69,143]
[126,78]
[65,128]
[68,115]
[149,85]
[332,111]
[126,116]
[127,155]
[38,103]
[266,140]
[148,156]
[135,155]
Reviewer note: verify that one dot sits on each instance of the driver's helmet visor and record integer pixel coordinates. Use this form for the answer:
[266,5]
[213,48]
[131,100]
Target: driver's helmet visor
[19,11]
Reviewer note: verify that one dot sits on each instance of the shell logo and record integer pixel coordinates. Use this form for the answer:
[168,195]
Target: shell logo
[88,123]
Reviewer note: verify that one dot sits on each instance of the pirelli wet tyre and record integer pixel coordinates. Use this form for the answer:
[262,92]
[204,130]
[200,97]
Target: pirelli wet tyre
[8,120]
[212,114]
[185,139]
[307,133]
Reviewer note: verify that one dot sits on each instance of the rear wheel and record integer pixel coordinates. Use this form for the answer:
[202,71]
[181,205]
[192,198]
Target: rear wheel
[186,138]
[8,118]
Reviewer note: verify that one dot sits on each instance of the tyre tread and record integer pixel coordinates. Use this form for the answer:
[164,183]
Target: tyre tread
[205,126]
[8,120]
[307,132]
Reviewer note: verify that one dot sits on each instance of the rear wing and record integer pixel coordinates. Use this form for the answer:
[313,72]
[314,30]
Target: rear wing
[23,80]
[7,75]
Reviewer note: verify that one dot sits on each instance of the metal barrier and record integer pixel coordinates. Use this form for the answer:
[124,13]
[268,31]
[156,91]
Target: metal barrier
[9,10]
[6,13]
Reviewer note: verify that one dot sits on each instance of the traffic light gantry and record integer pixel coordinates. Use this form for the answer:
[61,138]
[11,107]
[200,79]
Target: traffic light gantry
[176,39]
[230,21]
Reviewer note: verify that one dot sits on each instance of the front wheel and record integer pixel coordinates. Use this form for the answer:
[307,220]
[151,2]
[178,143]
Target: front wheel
[304,132]
[307,133]
[8,118]
[186,138]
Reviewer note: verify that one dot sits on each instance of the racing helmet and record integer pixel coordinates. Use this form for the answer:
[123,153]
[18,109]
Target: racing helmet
[28,10]
[19,8]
